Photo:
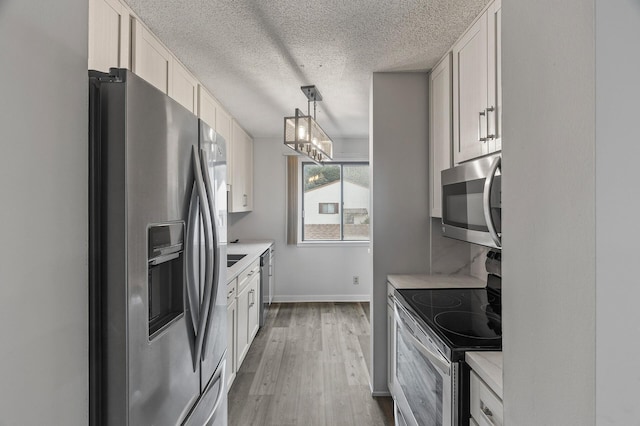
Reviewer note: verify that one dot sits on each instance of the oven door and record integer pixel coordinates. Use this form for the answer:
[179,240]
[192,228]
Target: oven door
[424,379]
[471,202]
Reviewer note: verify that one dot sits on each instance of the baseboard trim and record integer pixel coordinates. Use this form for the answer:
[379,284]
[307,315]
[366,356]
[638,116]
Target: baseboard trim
[380,393]
[322,298]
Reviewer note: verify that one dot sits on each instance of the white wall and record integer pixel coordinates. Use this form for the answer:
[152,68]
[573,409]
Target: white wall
[302,273]
[549,213]
[43,214]
[400,200]
[617,205]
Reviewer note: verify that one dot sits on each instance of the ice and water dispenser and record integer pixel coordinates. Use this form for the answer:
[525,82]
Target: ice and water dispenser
[166,278]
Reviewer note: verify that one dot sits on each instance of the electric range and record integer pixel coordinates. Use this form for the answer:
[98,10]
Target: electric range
[433,330]
[465,319]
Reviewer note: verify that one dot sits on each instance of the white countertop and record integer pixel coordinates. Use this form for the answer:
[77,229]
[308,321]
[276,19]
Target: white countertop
[252,248]
[487,365]
[435,281]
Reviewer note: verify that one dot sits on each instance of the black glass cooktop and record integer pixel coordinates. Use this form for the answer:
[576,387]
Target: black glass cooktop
[465,319]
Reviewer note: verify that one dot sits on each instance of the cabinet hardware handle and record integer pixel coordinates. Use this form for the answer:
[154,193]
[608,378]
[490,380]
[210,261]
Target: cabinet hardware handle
[480,115]
[488,110]
[244,200]
[485,410]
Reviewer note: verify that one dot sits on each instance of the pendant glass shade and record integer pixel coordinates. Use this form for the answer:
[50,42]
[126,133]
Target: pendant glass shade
[305,136]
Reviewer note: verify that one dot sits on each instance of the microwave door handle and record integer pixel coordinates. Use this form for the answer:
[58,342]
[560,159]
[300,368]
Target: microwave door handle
[208,280]
[436,359]
[216,254]
[486,201]
[191,284]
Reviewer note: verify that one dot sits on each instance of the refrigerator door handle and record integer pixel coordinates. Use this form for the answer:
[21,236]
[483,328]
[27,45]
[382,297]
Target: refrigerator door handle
[191,284]
[216,260]
[219,375]
[208,232]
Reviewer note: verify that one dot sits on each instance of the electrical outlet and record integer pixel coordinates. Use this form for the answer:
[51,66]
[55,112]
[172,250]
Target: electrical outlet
[356,280]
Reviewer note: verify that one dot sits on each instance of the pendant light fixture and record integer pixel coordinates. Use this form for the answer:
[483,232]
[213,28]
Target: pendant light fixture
[304,135]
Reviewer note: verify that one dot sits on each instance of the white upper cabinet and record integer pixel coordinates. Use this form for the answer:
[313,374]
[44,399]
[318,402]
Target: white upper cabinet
[241,165]
[183,86]
[212,113]
[440,128]
[494,24]
[118,39]
[223,128]
[150,59]
[108,35]
[223,124]
[476,88]
[207,107]
[470,92]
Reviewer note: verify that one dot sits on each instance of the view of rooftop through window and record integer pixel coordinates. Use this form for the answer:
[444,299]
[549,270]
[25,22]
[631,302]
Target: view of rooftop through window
[335,202]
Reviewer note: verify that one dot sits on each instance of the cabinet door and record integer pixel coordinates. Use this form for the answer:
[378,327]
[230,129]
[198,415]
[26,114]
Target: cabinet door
[494,117]
[470,92]
[440,129]
[151,60]
[223,128]
[248,172]
[207,106]
[242,344]
[108,35]
[391,347]
[223,123]
[236,199]
[231,342]
[241,199]
[485,406]
[254,307]
[183,86]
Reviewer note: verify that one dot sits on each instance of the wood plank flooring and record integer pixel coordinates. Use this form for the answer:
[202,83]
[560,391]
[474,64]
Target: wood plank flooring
[309,366]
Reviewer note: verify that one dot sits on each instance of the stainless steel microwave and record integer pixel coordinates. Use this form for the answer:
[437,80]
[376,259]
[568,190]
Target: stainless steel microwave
[471,201]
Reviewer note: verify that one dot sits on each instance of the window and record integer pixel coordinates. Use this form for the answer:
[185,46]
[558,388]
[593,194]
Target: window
[335,202]
[328,208]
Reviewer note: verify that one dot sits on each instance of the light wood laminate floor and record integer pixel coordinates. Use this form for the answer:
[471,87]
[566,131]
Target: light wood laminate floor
[309,366]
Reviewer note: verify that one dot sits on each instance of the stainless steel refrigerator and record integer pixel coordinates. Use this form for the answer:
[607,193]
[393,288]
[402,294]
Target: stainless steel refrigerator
[158,219]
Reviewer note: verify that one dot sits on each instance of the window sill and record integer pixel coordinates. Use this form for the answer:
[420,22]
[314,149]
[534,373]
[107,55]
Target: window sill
[308,244]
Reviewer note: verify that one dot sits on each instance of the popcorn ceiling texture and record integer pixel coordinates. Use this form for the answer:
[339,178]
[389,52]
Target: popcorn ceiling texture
[254,55]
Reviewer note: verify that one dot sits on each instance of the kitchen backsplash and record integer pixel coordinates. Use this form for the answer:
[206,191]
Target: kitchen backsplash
[448,256]
[453,257]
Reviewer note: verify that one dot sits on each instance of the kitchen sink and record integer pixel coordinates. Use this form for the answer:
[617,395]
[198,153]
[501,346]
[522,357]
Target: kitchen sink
[232,259]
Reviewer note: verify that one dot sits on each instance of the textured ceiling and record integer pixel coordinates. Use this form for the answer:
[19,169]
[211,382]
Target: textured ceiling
[254,55]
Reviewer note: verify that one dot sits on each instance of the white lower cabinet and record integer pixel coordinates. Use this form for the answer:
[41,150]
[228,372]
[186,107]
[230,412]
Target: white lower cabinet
[243,310]
[391,340]
[486,406]
[242,333]
[254,307]
[232,318]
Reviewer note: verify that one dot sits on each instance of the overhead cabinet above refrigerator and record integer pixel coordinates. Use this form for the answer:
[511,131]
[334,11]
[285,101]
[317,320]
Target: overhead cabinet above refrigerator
[158,258]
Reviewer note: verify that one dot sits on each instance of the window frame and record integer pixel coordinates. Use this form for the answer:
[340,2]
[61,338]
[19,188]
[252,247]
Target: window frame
[301,242]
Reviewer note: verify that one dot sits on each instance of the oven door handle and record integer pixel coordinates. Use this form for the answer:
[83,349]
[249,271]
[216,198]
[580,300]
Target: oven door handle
[486,202]
[436,359]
